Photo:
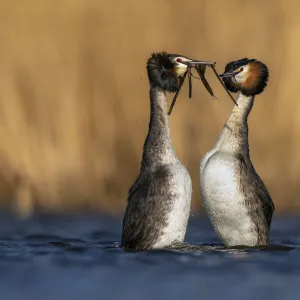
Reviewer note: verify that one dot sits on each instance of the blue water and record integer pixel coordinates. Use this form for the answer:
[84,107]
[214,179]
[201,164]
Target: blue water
[77,257]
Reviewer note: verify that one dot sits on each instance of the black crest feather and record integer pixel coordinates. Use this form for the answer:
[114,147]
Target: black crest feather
[160,72]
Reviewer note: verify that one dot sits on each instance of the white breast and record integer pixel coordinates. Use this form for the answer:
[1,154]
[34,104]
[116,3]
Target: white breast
[223,200]
[179,214]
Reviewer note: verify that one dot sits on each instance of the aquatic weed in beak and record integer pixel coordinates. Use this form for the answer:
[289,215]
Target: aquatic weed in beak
[200,67]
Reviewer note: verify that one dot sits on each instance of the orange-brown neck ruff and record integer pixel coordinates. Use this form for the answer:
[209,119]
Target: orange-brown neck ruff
[254,74]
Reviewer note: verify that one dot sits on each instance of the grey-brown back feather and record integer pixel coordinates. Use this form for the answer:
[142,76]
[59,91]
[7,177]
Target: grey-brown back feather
[149,200]
[257,198]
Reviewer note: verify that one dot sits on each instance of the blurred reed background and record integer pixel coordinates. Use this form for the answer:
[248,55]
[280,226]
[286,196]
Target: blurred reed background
[74,106]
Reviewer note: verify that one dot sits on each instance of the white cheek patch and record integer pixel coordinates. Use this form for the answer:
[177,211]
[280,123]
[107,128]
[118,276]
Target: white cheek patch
[242,76]
[182,66]
[181,69]
[238,79]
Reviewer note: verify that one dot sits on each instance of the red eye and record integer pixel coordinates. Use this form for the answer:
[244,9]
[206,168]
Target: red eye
[178,60]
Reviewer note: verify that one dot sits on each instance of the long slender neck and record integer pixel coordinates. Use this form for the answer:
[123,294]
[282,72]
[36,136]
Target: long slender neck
[158,147]
[234,136]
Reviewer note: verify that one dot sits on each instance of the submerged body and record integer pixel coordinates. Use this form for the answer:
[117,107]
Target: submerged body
[159,200]
[237,201]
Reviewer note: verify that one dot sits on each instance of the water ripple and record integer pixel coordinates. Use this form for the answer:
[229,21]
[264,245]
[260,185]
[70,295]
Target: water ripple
[79,257]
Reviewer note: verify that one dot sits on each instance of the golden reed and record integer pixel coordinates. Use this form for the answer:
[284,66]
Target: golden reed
[74,106]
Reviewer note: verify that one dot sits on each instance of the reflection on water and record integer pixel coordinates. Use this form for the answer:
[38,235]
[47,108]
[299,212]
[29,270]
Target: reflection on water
[77,257]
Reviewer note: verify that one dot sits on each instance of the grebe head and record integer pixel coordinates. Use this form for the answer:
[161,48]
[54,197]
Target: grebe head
[165,70]
[249,76]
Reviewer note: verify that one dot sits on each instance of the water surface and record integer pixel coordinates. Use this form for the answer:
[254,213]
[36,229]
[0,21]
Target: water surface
[77,257]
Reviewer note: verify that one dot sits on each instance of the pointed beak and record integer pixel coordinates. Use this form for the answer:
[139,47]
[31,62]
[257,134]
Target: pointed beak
[195,63]
[229,74]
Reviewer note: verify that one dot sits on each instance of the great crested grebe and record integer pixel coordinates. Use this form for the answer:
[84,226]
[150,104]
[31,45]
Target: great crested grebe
[237,201]
[159,200]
